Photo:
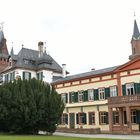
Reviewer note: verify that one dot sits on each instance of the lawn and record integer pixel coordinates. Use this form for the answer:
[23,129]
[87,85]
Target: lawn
[25,137]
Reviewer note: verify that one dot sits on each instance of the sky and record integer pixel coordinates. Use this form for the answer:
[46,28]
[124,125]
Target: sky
[83,34]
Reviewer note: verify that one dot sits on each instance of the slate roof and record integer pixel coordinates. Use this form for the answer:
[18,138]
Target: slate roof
[136,33]
[3,45]
[1,35]
[86,74]
[29,59]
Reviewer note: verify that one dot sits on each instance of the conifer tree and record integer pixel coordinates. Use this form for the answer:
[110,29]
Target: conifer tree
[29,106]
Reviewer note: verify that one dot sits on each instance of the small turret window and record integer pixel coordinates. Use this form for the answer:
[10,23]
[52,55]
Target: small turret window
[134,50]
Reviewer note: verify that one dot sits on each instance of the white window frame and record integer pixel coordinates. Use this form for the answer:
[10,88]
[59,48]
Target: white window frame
[101,93]
[63,96]
[133,116]
[80,96]
[113,91]
[90,94]
[130,89]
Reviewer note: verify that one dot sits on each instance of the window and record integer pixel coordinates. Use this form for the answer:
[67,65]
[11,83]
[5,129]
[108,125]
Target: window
[115,117]
[12,76]
[133,116]
[26,75]
[101,93]
[71,97]
[6,78]
[103,117]
[40,76]
[130,89]
[26,61]
[90,95]
[113,91]
[81,118]
[64,97]
[91,118]
[64,119]
[80,96]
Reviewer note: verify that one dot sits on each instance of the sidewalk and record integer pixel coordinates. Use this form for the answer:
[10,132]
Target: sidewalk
[121,137]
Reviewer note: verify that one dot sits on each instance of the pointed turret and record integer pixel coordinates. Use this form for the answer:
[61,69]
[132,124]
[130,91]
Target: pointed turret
[4,55]
[12,51]
[135,42]
[136,33]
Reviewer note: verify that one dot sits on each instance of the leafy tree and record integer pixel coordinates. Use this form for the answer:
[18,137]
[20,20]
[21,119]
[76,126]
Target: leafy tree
[29,106]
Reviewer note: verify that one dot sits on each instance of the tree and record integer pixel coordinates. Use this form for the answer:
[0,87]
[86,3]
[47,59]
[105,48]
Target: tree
[29,106]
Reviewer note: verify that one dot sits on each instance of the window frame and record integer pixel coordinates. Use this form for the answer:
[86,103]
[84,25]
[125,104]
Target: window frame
[81,118]
[113,91]
[40,75]
[24,75]
[101,92]
[130,88]
[81,96]
[93,118]
[64,97]
[64,119]
[115,117]
[90,99]
[102,118]
[133,117]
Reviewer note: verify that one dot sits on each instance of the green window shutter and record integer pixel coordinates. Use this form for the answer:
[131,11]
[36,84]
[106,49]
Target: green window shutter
[13,75]
[70,94]
[41,75]
[23,75]
[85,94]
[77,118]
[107,93]
[7,77]
[117,90]
[125,117]
[66,98]
[106,118]
[75,96]
[29,75]
[137,88]
[123,90]
[96,96]
[90,118]
[113,117]
[37,75]
[66,118]
[138,117]
[10,76]
[85,118]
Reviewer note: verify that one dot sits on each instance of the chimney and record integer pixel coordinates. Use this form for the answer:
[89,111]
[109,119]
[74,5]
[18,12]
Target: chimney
[64,70]
[40,48]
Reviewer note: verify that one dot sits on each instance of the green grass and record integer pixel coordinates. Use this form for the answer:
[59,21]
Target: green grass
[30,137]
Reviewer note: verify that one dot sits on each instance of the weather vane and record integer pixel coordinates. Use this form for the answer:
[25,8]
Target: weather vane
[1,25]
[134,14]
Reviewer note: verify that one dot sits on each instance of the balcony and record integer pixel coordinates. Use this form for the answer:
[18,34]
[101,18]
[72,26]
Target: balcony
[128,99]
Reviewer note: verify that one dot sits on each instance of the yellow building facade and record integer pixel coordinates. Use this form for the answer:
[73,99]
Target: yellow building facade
[108,99]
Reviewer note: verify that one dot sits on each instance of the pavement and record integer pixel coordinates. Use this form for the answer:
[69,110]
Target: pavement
[111,136]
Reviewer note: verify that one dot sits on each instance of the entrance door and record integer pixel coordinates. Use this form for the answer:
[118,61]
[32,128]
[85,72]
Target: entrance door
[72,120]
[138,118]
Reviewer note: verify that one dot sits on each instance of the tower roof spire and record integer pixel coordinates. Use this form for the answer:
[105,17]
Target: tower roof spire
[136,33]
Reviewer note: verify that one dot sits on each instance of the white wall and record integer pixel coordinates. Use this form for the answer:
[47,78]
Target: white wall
[47,76]
[19,72]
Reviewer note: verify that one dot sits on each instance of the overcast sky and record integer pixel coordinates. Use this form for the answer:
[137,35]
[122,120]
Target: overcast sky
[83,34]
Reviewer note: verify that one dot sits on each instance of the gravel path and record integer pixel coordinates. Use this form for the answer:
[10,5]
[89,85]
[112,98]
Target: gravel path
[121,137]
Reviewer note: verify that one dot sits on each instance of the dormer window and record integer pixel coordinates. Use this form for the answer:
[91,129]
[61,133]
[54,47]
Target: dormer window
[26,61]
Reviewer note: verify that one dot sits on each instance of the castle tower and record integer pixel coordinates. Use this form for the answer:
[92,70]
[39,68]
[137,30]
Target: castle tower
[135,42]
[3,52]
